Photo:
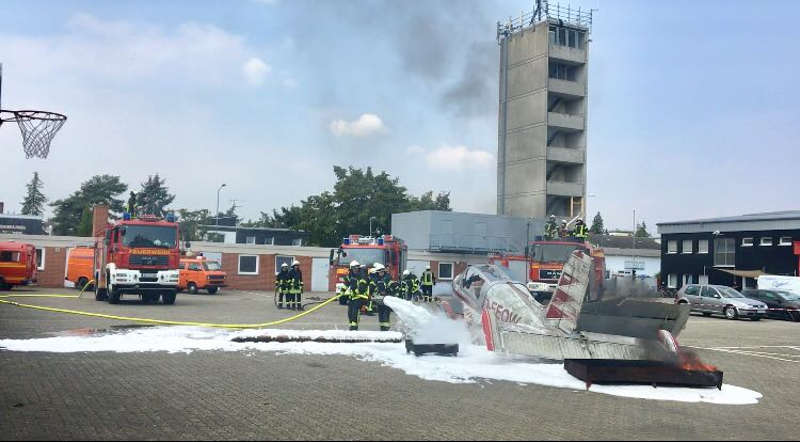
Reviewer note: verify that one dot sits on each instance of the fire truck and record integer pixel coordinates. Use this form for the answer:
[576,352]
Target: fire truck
[17,264]
[544,263]
[388,250]
[137,256]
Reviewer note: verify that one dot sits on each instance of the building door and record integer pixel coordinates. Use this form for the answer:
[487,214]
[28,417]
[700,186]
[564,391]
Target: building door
[319,274]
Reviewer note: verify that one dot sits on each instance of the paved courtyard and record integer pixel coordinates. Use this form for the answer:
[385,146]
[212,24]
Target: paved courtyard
[262,395]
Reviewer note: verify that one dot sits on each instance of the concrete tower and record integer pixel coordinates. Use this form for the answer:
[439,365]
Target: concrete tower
[541,149]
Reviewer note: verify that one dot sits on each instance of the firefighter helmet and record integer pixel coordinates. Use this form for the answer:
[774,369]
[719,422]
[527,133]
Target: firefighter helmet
[295,263]
[406,272]
[378,266]
[353,263]
[284,265]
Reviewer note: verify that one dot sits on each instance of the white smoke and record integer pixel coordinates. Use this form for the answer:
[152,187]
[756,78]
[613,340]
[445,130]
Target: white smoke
[425,326]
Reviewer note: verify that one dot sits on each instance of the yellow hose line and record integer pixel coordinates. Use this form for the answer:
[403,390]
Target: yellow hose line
[156,321]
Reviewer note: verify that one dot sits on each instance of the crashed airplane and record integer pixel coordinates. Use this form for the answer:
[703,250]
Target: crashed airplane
[587,317]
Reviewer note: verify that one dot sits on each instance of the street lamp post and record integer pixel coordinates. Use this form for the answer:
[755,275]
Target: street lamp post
[370,224]
[217,212]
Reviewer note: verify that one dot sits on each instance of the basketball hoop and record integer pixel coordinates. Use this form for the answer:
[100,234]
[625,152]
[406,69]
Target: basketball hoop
[37,127]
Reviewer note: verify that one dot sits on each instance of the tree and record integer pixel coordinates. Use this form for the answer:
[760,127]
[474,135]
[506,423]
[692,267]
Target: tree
[100,189]
[597,224]
[35,199]
[153,197]
[191,222]
[641,231]
[357,196]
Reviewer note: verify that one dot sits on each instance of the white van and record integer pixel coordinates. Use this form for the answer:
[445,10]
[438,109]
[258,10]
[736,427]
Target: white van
[775,282]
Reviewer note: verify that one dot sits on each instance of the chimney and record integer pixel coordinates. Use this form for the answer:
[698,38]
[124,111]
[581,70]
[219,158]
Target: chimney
[99,220]
[1,207]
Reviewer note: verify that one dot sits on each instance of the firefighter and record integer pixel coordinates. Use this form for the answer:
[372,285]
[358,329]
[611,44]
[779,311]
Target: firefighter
[349,281]
[282,284]
[551,228]
[130,207]
[427,280]
[580,232]
[563,232]
[379,288]
[296,286]
[366,274]
[358,296]
[410,285]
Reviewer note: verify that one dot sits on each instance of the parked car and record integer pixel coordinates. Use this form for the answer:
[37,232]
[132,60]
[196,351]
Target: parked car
[200,273]
[720,299]
[781,305]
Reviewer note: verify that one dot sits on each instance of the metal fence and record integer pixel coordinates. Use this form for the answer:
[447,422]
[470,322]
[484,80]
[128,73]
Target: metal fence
[545,11]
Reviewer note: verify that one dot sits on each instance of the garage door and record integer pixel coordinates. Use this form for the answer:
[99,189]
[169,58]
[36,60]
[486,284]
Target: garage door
[417,267]
[319,274]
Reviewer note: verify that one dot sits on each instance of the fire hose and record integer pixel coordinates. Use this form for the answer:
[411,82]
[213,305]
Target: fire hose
[3,300]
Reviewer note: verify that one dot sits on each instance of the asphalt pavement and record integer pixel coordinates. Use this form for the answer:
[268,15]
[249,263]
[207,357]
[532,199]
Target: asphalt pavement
[261,395]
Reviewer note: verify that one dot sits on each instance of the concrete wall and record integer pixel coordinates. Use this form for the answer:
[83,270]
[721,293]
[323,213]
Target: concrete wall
[652,265]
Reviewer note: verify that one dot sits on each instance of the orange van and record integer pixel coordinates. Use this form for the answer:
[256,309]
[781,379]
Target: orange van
[17,264]
[200,274]
[79,266]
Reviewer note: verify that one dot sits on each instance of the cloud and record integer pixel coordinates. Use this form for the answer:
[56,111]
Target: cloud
[255,70]
[367,124]
[458,157]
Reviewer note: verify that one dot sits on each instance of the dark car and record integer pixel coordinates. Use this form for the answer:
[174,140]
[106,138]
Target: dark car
[782,305]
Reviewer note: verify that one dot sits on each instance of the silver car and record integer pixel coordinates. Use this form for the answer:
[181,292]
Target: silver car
[720,299]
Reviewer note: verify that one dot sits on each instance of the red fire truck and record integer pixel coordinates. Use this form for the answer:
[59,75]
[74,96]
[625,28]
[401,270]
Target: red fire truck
[17,264]
[545,261]
[388,250]
[138,256]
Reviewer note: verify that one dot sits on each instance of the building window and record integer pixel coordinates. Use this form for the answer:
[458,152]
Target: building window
[672,281]
[785,241]
[281,259]
[446,270]
[248,264]
[747,242]
[702,246]
[297,242]
[724,252]
[270,240]
[40,254]
[562,71]
[687,246]
[250,240]
[767,241]
[672,246]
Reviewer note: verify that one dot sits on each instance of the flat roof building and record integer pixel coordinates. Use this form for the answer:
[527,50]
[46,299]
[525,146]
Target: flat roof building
[731,250]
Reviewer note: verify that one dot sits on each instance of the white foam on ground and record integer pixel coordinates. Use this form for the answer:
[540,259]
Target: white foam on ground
[473,364]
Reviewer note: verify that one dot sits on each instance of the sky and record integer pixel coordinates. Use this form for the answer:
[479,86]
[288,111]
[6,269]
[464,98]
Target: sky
[693,106]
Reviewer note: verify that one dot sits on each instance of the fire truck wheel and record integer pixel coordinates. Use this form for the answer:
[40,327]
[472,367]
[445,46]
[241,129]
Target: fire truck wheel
[192,288]
[212,290]
[168,298]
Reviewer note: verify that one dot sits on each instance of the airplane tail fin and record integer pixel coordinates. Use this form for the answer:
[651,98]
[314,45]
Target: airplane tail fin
[565,305]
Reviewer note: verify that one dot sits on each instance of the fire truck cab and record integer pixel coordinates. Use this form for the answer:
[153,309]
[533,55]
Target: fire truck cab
[387,250]
[545,261]
[138,256]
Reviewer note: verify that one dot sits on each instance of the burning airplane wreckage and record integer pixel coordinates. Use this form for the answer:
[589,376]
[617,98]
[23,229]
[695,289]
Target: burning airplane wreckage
[605,331]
